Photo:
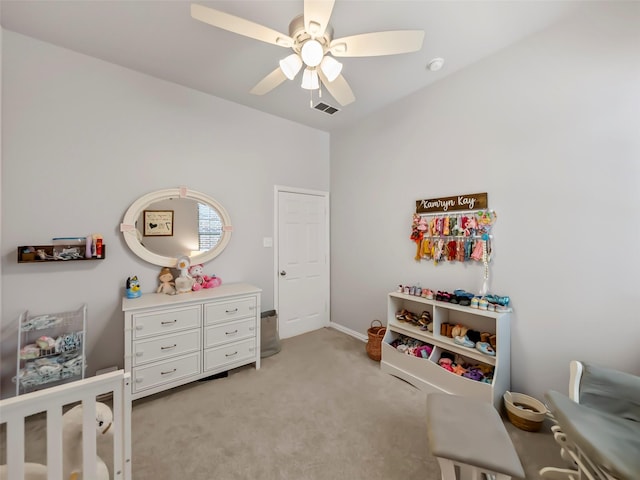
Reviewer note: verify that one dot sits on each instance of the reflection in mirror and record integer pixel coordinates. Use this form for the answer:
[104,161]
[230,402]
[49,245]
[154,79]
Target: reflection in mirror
[178,222]
[197,228]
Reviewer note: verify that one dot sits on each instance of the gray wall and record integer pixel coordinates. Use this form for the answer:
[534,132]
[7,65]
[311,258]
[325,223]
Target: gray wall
[83,139]
[550,129]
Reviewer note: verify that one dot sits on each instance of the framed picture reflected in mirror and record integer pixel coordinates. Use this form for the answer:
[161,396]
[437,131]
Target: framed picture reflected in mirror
[158,223]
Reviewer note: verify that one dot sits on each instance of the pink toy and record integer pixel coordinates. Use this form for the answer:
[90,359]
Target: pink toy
[202,280]
[446,364]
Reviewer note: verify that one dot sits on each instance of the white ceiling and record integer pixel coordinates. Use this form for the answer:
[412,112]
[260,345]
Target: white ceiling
[161,39]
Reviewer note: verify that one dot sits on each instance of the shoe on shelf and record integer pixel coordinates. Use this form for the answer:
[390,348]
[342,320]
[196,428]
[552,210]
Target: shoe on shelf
[474,302]
[463,293]
[503,309]
[485,348]
[464,341]
[504,300]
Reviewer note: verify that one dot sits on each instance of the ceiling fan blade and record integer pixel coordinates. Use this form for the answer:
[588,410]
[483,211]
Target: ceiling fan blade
[316,16]
[239,25]
[378,43]
[269,82]
[339,89]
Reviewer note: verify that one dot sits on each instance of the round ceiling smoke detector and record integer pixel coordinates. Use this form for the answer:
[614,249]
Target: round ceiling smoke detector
[435,64]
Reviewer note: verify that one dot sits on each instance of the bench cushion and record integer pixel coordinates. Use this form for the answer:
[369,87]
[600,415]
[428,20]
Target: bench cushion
[470,432]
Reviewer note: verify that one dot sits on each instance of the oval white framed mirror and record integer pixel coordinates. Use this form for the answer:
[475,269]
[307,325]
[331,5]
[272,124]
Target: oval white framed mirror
[163,225]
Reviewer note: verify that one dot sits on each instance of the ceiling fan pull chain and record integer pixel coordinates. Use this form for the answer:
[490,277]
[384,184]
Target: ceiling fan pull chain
[310,98]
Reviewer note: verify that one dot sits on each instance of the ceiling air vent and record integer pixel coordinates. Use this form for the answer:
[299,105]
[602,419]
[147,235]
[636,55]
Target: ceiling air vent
[323,107]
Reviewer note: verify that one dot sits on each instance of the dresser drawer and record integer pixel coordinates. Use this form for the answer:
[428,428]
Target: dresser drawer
[158,323]
[165,372]
[219,356]
[225,311]
[158,348]
[222,333]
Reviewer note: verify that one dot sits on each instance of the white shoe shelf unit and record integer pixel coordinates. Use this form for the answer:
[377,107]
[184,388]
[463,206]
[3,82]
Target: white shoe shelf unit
[51,349]
[425,373]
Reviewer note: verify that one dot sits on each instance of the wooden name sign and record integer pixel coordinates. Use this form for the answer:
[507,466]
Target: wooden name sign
[473,201]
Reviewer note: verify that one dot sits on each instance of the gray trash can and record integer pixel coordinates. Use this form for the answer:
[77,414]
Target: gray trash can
[269,339]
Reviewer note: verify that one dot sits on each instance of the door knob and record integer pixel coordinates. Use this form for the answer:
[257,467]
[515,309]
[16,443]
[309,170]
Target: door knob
[282,273]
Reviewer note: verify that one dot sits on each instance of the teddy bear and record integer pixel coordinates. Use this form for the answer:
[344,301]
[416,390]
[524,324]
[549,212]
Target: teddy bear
[202,280]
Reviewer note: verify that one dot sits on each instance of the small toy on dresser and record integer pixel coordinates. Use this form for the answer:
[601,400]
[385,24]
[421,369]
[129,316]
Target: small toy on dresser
[184,282]
[201,280]
[133,287]
[166,282]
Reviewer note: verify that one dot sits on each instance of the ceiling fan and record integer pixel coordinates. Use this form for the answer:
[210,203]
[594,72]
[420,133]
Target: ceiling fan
[311,39]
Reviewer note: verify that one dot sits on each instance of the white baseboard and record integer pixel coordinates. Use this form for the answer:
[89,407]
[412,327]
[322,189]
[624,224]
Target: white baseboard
[348,331]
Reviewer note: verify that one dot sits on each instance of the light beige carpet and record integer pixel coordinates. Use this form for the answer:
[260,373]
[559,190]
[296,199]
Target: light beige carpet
[319,409]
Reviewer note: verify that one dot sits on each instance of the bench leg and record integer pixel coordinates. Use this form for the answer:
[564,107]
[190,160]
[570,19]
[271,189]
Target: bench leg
[467,472]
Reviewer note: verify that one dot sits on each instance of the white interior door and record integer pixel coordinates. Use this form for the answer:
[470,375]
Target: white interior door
[302,261]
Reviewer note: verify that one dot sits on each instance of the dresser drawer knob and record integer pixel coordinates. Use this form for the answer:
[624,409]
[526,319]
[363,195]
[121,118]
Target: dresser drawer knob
[169,322]
[251,329]
[231,354]
[169,372]
[231,333]
[139,354]
[139,327]
[139,379]
[232,311]
[169,346]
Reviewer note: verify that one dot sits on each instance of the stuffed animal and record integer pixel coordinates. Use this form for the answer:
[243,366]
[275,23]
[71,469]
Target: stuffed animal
[202,280]
[185,282]
[166,282]
[72,440]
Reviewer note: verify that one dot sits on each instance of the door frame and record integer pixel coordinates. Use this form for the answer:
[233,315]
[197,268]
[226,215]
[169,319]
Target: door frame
[277,189]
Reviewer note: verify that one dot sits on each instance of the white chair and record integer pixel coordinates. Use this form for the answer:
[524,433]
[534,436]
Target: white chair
[597,425]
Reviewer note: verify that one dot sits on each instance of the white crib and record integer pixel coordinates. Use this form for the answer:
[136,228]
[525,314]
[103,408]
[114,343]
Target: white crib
[52,402]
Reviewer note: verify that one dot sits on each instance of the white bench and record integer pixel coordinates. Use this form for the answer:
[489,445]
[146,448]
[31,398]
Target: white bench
[469,434]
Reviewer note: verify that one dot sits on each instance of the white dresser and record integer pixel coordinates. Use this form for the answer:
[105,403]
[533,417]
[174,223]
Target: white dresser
[170,340]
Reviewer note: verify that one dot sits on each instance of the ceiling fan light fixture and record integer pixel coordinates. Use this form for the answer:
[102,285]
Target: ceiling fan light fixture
[312,53]
[331,68]
[310,79]
[291,65]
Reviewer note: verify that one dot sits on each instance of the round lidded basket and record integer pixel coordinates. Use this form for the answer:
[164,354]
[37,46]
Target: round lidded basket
[524,412]
[374,345]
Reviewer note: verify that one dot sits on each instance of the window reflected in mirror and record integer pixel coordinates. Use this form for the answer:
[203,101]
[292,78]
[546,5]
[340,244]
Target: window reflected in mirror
[209,227]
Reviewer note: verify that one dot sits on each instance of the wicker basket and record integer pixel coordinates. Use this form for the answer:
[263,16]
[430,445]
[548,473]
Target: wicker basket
[374,345]
[524,412]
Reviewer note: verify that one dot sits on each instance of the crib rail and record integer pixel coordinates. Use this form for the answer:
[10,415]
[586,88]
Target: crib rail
[13,412]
